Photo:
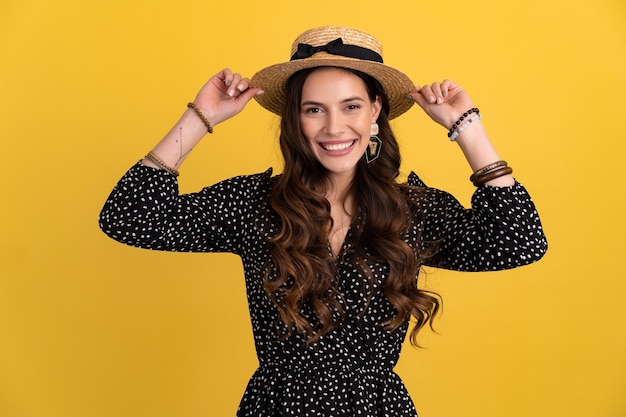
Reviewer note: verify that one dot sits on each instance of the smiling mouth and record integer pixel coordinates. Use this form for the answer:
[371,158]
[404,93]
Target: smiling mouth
[337,146]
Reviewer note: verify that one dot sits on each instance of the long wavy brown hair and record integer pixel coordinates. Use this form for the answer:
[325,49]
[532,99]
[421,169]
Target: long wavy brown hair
[302,280]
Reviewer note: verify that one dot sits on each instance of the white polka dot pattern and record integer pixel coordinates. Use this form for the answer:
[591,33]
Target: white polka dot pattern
[349,371]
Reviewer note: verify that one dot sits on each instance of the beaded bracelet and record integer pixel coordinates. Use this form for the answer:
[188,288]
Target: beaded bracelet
[156,161]
[487,169]
[492,175]
[201,116]
[458,122]
[464,126]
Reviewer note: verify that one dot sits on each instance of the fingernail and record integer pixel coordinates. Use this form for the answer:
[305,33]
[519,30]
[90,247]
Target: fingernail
[258,93]
[443,93]
[229,82]
[231,93]
[431,99]
[409,98]
[240,88]
[439,100]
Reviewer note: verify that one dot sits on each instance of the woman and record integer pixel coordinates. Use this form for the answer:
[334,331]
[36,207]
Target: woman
[332,247]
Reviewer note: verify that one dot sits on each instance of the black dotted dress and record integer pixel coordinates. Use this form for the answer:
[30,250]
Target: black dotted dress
[349,371]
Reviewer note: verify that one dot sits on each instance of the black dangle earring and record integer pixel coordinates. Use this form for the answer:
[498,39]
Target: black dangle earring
[373,148]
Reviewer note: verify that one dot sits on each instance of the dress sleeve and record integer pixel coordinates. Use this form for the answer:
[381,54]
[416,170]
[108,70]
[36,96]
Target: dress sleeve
[501,230]
[145,210]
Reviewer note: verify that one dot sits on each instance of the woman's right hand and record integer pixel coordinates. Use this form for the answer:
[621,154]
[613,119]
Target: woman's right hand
[224,96]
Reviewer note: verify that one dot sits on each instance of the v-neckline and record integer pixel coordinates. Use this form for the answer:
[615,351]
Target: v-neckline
[341,247]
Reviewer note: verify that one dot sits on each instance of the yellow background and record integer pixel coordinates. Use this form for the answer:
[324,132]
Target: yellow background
[91,328]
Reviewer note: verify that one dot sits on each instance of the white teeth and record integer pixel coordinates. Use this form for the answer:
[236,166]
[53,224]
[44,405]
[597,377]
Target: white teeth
[338,146]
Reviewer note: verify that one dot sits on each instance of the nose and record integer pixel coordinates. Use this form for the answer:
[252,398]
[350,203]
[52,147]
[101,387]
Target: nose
[334,124]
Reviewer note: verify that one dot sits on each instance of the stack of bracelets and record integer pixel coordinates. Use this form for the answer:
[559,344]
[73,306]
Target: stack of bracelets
[490,172]
[456,130]
[156,161]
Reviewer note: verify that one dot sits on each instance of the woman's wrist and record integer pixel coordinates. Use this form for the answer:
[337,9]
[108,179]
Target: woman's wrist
[190,127]
[480,153]
[462,122]
[172,150]
[202,115]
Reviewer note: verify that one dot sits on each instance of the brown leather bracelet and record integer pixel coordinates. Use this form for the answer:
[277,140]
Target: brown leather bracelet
[492,175]
[486,169]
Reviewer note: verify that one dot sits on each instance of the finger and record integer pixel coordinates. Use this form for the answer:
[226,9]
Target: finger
[427,93]
[243,85]
[436,89]
[247,95]
[226,76]
[447,87]
[234,82]
[449,84]
[419,98]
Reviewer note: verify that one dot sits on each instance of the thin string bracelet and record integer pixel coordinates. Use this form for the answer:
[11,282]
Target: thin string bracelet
[156,161]
[201,116]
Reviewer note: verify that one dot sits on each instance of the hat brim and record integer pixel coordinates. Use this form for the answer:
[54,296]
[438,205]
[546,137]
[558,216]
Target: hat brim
[273,80]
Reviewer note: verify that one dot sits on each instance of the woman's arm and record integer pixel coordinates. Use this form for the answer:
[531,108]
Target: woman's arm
[145,208]
[501,230]
[445,103]
[222,97]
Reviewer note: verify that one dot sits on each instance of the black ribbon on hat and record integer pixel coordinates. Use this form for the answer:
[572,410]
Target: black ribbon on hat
[337,47]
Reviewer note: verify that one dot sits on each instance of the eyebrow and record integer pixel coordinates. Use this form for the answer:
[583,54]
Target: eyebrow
[346,100]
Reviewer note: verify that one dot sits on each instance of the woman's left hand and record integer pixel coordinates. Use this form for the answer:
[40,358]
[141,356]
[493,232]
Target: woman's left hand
[443,102]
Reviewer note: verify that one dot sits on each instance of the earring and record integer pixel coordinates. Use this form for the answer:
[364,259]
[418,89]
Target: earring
[373,148]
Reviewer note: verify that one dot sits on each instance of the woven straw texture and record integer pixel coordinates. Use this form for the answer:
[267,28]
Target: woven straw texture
[274,78]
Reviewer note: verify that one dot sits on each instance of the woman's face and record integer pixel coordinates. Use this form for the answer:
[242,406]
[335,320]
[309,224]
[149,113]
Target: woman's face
[336,115]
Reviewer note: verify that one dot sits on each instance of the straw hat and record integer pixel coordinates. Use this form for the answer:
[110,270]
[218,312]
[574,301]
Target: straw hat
[334,46]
